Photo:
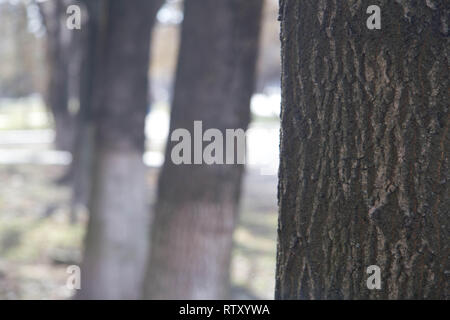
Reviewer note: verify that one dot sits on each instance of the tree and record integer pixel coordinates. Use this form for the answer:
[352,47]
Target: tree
[197,204]
[81,165]
[58,43]
[363,176]
[116,241]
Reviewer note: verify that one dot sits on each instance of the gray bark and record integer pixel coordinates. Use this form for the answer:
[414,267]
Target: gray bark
[364,175]
[116,243]
[197,205]
[58,56]
[82,156]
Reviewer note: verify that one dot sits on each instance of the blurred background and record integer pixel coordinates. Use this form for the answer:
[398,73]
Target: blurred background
[38,238]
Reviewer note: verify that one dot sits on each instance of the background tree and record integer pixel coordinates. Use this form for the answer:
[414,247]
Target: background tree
[116,241]
[59,56]
[197,205]
[81,167]
[364,150]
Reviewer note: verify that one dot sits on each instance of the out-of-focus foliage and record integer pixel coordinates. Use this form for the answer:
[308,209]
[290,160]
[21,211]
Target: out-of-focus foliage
[22,66]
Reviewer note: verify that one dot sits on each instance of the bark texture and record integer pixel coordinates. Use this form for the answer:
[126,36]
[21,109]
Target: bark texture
[116,242]
[364,174]
[197,204]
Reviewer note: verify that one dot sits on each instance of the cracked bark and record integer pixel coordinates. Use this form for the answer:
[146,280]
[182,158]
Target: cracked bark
[364,151]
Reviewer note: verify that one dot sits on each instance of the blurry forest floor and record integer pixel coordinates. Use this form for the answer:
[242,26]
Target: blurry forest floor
[37,242]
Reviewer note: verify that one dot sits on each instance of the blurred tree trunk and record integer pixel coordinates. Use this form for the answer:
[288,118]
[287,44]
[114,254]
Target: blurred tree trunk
[82,157]
[116,243]
[58,53]
[364,151]
[197,205]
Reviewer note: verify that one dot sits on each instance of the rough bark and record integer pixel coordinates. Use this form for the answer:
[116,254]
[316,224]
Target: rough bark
[116,243]
[364,175]
[197,204]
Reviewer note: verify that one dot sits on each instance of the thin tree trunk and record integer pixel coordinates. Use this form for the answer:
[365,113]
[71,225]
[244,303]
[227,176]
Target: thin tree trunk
[197,205]
[57,95]
[116,244]
[82,162]
[364,151]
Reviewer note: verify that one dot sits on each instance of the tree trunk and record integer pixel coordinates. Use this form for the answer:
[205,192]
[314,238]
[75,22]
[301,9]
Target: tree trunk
[364,151]
[81,166]
[197,204]
[116,242]
[57,95]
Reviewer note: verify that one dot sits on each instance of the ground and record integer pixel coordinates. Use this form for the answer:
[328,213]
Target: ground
[37,242]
